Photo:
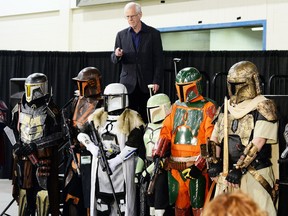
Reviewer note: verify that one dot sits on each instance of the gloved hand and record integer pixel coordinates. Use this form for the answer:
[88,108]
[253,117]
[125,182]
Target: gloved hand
[234,176]
[215,169]
[86,141]
[145,177]
[24,149]
[192,172]
[114,162]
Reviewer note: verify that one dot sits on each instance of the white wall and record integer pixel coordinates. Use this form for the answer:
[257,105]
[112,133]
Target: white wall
[58,25]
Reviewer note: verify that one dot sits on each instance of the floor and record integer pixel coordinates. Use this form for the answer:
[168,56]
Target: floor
[6,199]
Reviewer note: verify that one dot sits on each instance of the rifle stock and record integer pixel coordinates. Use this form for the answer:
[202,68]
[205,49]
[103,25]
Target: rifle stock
[103,159]
[154,176]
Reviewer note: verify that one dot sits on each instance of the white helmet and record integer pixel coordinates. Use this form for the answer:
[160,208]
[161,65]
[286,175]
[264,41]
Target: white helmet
[158,106]
[115,97]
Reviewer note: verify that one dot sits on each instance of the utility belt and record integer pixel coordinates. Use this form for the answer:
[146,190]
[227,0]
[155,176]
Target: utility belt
[171,163]
[273,191]
[260,163]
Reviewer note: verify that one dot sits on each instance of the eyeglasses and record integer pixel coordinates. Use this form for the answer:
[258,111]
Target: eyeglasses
[132,16]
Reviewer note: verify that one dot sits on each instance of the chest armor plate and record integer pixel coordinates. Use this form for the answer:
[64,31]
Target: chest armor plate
[83,109]
[186,125]
[241,127]
[32,123]
[113,140]
[150,137]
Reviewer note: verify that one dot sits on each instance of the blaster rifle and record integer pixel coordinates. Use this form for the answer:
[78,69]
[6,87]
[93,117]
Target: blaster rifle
[103,160]
[154,176]
[70,142]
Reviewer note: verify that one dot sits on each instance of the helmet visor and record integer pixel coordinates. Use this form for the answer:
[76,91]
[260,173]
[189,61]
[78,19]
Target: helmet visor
[187,92]
[156,114]
[115,102]
[34,91]
[81,87]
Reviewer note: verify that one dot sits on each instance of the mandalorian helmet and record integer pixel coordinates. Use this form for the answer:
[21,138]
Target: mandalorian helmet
[88,82]
[188,84]
[36,86]
[243,82]
[158,106]
[115,97]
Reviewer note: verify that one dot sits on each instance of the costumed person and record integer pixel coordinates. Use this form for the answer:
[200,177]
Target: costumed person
[3,123]
[185,129]
[78,166]
[117,133]
[36,121]
[156,200]
[285,152]
[251,128]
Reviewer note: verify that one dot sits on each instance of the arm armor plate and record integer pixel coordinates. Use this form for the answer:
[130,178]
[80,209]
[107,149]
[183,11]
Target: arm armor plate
[249,154]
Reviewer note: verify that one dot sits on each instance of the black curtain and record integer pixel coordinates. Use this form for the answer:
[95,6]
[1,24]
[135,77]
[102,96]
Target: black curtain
[61,67]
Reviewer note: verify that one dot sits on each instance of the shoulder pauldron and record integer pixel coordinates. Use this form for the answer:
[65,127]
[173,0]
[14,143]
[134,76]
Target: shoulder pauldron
[268,109]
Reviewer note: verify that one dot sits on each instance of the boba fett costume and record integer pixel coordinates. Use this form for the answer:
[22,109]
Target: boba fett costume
[37,121]
[187,127]
[252,130]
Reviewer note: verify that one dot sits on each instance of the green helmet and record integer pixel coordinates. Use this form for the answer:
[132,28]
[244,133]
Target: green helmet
[188,84]
[158,106]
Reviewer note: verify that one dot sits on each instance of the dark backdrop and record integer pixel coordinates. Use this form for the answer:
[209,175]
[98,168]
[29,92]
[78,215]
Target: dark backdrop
[61,67]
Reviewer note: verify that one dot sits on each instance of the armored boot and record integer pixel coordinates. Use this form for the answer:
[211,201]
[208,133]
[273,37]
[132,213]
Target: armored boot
[159,212]
[197,211]
[182,212]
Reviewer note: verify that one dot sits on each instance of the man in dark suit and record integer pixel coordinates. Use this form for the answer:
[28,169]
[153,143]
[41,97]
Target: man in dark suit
[139,49]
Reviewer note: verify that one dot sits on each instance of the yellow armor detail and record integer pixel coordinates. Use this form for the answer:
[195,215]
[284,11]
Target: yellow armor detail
[42,203]
[31,127]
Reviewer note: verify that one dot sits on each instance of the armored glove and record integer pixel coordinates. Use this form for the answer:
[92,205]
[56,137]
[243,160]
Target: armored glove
[86,141]
[234,176]
[215,169]
[192,172]
[125,153]
[24,149]
[114,162]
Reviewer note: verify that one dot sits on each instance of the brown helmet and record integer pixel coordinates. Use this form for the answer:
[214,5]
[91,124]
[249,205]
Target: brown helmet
[89,82]
[243,82]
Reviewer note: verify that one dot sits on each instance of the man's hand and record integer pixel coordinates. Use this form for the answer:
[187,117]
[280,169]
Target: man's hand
[215,169]
[119,52]
[24,149]
[234,177]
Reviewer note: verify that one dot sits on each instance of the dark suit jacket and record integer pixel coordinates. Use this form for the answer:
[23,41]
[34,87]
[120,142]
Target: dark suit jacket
[145,64]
